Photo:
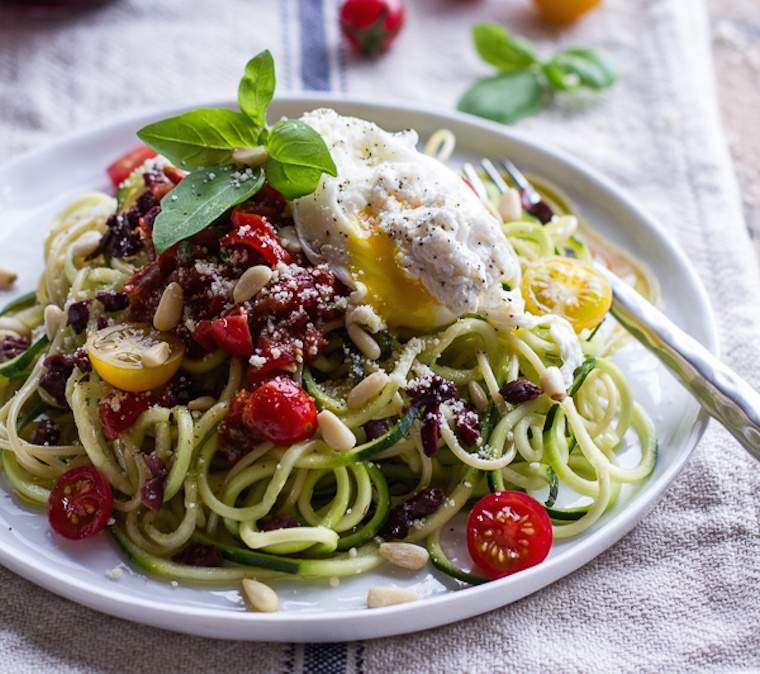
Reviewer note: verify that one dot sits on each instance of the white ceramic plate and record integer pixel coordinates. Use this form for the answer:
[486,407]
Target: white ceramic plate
[35,186]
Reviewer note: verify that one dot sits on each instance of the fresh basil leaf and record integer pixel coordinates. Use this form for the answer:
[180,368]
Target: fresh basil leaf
[499,48]
[203,196]
[203,137]
[292,141]
[291,180]
[296,158]
[505,98]
[256,89]
[577,68]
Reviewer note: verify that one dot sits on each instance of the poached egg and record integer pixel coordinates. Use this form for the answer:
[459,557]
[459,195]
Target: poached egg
[404,231]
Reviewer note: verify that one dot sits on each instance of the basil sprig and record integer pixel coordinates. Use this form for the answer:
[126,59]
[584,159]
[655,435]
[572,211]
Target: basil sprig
[205,142]
[524,83]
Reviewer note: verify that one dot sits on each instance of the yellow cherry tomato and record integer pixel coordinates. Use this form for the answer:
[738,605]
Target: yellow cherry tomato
[566,287]
[130,357]
[564,11]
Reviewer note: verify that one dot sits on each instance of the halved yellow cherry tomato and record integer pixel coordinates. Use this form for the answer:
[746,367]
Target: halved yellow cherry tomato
[117,355]
[564,11]
[566,287]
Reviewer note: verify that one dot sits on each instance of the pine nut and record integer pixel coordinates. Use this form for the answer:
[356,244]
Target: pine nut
[553,383]
[252,280]
[156,355]
[364,341]
[7,278]
[201,404]
[365,316]
[478,396]
[169,309]
[86,244]
[54,318]
[260,597]
[334,432]
[405,555]
[367,389]
[510,205]
[8,323]
[380,596]
[250,156]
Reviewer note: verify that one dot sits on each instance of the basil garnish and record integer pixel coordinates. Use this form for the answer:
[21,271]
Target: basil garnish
[257,87]
[524,83]
[297,158]
[204,137]
[205,141]
[202,197]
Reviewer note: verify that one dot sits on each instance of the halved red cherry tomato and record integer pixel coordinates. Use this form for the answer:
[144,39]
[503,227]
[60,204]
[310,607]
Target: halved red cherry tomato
[119,171]
[118,411]
[232,335]
[251,230]
[507,532]
[80,503]
[281,411]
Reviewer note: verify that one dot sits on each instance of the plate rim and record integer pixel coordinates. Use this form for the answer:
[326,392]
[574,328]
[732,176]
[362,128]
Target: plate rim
[405,618]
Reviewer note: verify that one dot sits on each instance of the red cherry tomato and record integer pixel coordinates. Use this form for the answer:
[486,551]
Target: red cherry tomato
[281,411]
[371,26]
[80,503]
[119,171]
[251,230]
[232,335]
[119,411]
[508,531]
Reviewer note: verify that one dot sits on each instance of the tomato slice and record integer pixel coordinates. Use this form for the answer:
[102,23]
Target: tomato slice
[119,411]
[253,231]
[507,532]
[281,411]
[569,288]
[117,354]
[80,503]
[232,335]
[119,171]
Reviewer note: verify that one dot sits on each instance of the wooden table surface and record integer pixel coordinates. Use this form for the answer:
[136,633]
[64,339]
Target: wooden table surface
[736,44]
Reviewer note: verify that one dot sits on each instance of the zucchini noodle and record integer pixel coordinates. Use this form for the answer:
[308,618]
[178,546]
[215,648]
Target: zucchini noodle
[305,509]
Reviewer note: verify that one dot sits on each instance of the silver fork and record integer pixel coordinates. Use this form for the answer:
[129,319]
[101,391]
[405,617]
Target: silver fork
[721,392]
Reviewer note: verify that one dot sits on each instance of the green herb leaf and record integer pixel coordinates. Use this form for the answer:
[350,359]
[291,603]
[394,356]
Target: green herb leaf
[297,158]
[204,137]
[257,87]
[505,98]
[501,49]
[577,68]
[202,197]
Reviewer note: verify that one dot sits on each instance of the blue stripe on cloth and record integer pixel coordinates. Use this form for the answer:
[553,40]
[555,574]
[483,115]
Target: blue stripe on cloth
[315,65]
[325,659]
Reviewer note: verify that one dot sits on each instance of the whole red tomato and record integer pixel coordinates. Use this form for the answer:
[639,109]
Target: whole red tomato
[281,411]
[371,26]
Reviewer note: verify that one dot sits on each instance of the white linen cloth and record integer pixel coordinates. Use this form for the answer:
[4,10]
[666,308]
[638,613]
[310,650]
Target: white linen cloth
[679,593]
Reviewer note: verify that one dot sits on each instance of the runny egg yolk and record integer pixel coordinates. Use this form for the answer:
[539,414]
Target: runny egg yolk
[399,298]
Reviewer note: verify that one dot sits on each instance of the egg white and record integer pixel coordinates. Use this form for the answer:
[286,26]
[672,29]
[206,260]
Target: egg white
[404,231]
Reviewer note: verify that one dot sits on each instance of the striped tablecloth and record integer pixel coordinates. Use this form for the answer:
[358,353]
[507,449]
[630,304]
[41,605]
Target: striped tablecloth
[677,594]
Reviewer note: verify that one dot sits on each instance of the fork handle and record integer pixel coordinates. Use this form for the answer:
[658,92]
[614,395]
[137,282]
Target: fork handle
[720,391]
